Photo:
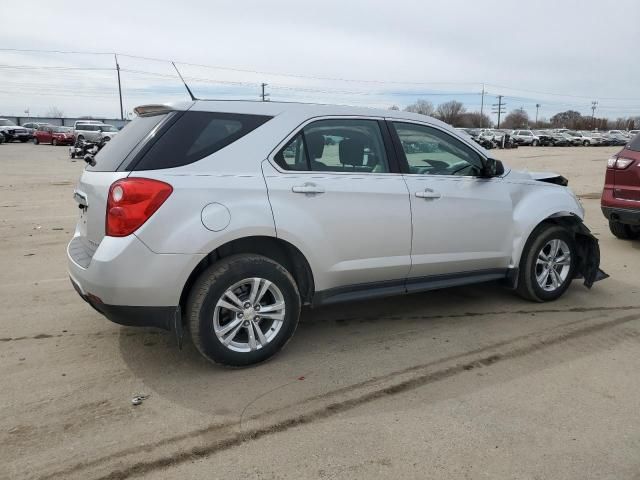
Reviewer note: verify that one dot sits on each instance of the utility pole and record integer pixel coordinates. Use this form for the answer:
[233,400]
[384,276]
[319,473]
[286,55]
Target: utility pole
[594,105]
[264,95]
[537,108]
[119,86]
[499,108]
[482,107]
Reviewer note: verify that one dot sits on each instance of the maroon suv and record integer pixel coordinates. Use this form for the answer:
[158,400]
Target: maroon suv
[621,195]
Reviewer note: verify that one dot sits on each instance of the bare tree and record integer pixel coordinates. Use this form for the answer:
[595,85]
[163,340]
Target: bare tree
[473,120]
[516,119]
[54,112]
[450,112]
[422,107]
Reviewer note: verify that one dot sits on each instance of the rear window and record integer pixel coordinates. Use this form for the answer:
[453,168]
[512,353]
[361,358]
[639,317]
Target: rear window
[116,151]
[634,144]
[196,135]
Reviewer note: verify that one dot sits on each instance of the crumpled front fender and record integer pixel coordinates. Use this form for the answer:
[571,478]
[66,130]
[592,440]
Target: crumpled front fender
[588,265]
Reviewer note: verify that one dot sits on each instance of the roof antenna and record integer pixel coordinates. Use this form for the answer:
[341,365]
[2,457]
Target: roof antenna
[185,83]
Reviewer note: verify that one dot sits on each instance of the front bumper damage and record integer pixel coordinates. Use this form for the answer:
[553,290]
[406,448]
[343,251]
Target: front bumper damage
[588,266]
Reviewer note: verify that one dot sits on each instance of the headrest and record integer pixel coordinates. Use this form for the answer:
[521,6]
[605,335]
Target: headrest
[315,144]
[351,152]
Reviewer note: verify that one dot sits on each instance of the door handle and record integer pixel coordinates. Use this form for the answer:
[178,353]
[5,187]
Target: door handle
[307,188]
[428,193]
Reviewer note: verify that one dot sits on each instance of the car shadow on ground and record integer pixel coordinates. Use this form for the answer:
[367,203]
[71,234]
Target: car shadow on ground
[337,346]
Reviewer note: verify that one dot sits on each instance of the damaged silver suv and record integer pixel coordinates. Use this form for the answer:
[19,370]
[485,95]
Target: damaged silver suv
[221,219]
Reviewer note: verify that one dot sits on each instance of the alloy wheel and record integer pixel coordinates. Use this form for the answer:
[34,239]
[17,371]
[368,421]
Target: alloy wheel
[553,265]
[249,315]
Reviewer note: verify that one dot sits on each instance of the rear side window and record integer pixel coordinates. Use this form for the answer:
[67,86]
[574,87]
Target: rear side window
[196,135]
[634,144]
[347,145]
[116,151]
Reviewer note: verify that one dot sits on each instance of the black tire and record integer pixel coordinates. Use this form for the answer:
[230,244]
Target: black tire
[35,140]
[585,143]
[210,287]
[623,231]
[54,142]
[80,137]
[528,286]
[534,143]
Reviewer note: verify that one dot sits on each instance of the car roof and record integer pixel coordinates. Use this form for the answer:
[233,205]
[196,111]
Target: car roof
[302,110]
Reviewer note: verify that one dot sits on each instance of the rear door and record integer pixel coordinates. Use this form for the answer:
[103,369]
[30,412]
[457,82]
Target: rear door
[461,222]
[336,193]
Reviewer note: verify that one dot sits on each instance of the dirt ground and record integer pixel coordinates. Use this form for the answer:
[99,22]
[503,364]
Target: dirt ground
[469,382]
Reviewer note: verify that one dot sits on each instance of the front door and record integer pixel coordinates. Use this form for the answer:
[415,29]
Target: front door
[334,195]
[462,223]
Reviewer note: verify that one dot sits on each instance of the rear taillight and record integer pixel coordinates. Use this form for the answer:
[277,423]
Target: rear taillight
[619,163]
[131,202]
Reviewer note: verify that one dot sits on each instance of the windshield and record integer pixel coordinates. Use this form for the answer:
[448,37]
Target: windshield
[6,123]
[62,129]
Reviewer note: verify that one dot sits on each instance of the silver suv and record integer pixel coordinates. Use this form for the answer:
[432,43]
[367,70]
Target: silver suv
[94,132]
[224,218]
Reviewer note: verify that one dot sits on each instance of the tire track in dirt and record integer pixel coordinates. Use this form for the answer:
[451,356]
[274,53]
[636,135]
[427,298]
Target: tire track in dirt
[407,379]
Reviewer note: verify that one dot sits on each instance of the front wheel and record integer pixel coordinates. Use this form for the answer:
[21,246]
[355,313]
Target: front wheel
[35,140]
[534,143]
[585,143]
[54,142]
[242,310]
[548,264]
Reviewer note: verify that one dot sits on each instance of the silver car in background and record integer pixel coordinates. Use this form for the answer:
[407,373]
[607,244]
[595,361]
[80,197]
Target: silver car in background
[222,219]
[94,132]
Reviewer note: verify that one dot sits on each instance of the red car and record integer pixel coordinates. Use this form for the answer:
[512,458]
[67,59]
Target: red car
[621,195]
[53,135]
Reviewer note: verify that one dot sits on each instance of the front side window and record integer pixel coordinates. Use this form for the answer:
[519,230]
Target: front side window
[347,145]
[430,151]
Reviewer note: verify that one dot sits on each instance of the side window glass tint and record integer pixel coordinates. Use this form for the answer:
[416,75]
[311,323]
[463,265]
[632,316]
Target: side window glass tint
[430,151]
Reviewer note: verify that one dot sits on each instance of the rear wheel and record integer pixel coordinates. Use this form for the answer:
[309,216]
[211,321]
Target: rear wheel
[623,231]
[242,310]
[547,264]
[585,143]
[35,140]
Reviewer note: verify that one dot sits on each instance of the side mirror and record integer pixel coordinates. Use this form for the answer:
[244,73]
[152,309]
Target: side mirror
[493,168]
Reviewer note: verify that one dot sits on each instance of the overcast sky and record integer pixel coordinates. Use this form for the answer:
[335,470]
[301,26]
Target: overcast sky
[401,50]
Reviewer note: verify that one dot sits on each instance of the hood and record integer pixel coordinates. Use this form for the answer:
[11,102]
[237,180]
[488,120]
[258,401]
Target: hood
[548,177]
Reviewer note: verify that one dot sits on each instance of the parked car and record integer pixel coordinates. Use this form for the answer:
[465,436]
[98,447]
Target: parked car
[54,135]
[545,138]
[12,132]
[586,139]
[571,139]
[222,218]
[87,122]
[525,137]
[33,126]
[476,135]
[617,139]
[95,132]
[621,195]
[633,133]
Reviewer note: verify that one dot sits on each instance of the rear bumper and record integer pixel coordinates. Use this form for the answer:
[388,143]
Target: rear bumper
[165,318]
[622,215]
[123,272]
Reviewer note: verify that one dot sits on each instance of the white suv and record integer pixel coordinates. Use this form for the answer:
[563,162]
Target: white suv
[94,132]
[224,218]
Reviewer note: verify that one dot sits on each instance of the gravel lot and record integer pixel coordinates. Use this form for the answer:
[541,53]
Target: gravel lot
[464,383]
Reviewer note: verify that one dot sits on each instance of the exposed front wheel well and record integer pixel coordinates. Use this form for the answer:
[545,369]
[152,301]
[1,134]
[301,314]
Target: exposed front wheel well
[276,249]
